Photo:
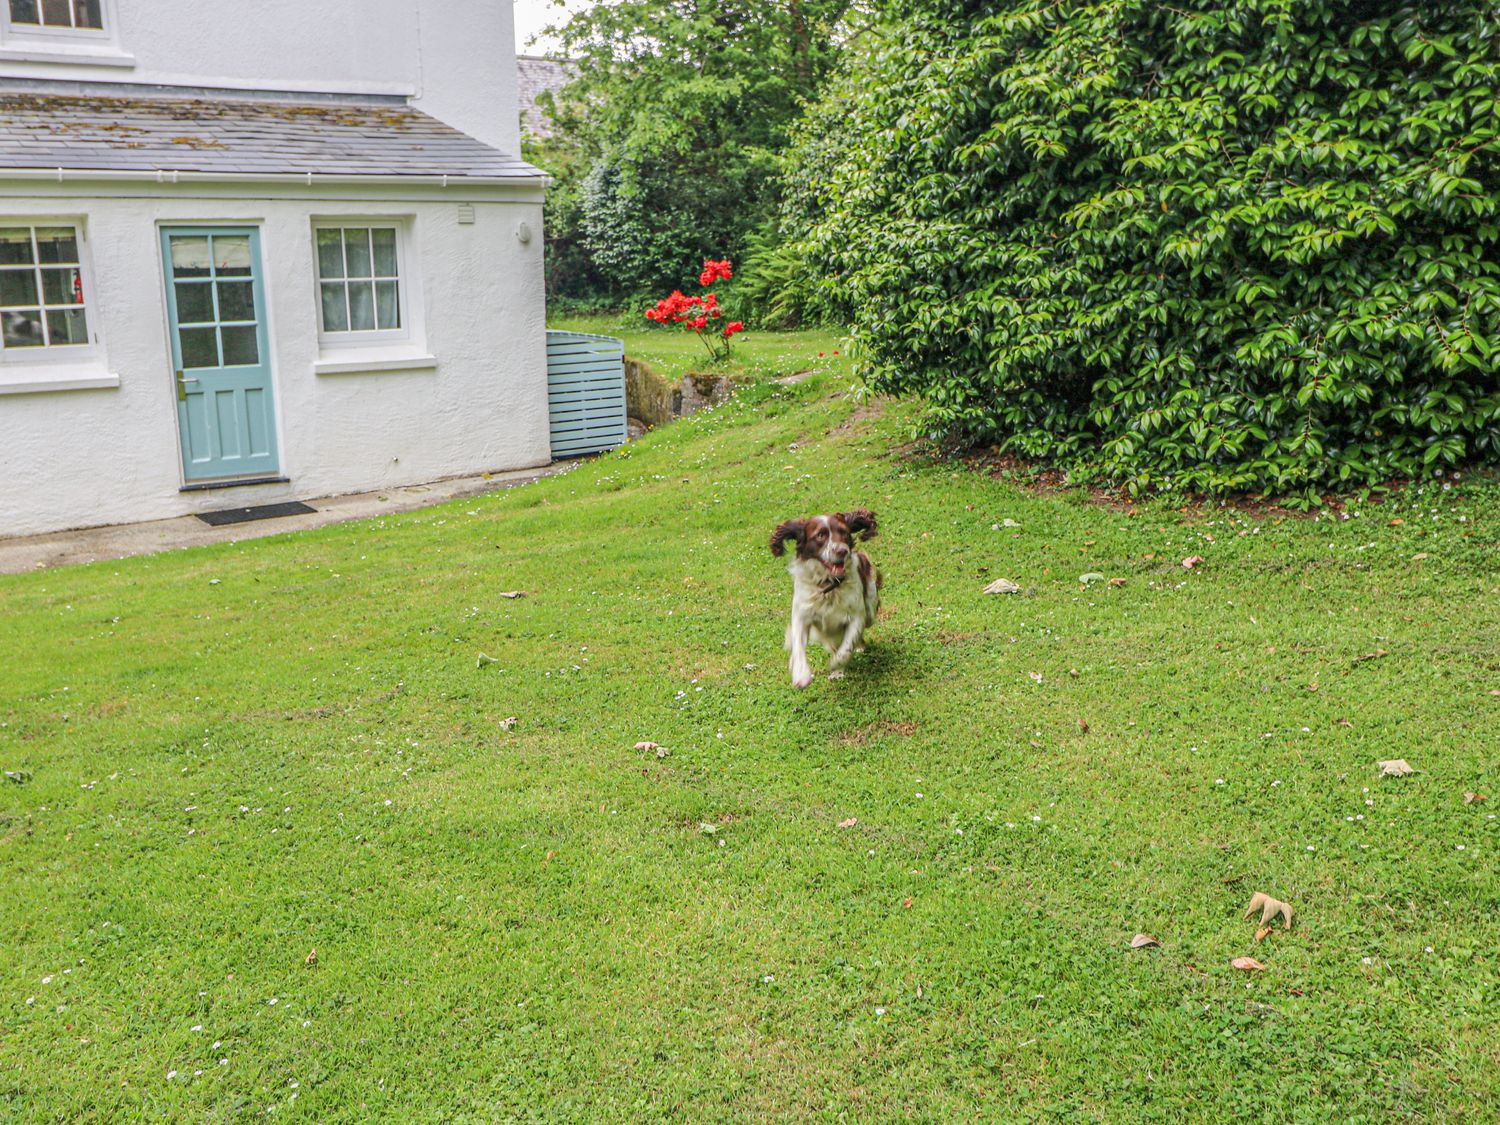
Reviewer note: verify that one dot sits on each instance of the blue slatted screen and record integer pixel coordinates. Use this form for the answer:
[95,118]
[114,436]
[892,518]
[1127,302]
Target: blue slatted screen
[585,392]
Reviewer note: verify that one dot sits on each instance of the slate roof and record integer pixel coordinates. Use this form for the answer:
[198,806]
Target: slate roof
[536,76]
[239,136]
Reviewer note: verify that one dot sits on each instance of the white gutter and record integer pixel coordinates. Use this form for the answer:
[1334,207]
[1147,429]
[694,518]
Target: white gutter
[310,179]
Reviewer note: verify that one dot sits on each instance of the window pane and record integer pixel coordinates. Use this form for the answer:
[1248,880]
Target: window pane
[385,252]
[62,287]
[357,251]
[86,13]
[57,245]
[335,315]
[18,287]
[387,305]
[195,303]
[67,326]
[200,347]
[15,246]
[239,346]
[330,254]
[57,13]
[236,300]
[21,328]
[361,306]
[232,255]
[190,256]
[24,11]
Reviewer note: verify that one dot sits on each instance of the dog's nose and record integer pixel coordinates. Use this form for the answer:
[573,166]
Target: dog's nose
[841,550]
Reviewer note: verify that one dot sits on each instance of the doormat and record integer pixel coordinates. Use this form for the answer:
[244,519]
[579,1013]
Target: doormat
[263,512]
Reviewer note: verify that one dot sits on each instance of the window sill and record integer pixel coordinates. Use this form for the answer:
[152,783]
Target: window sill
[67,55]
[41,378]
[362,362]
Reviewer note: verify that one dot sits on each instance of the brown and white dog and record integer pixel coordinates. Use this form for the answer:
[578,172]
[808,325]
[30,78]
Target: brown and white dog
[835,588]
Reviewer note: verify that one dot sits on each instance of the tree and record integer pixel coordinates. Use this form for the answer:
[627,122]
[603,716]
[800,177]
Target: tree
[1192,245]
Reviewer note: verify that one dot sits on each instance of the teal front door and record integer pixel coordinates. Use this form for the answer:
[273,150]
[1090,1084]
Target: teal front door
[221,363]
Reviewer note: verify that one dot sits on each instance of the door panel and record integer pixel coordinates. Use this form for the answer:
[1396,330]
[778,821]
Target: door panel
[216,309]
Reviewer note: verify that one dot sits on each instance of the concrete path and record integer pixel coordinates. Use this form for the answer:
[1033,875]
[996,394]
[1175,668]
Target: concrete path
[64,548]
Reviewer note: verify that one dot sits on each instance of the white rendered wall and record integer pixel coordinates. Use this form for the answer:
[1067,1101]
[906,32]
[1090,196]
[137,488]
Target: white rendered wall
[87,457]
[454,58]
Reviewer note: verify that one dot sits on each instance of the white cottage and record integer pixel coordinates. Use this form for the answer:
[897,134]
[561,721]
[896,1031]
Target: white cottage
[278,248]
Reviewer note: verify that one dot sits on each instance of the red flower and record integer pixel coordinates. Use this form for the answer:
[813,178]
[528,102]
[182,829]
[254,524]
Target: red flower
[700,322]
[732,327]
[713,271]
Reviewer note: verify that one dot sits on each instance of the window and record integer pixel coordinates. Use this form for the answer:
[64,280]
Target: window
[359,282]
[42,305]
[62,14]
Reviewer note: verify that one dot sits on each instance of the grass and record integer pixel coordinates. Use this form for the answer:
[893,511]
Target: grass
[234,755]
[758,355]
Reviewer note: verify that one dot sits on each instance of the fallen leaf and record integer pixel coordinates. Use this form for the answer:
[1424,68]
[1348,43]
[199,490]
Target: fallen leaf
[311,958]
[1142,941]
[1395,767]
[1470,798]
[1376,655]
[482,659]
[1344,723]
[1009,523]
[1090,578]
[1397,522]
[513,594]
[1002,586]
[706,828]
[1083,726]
[907,904]
[1419,556]
[645,746]
[508,723]
[1247,964]
[1260,934]
[1191,561]
[1269,908]
[850,823]
[1037,676]
[1117,581]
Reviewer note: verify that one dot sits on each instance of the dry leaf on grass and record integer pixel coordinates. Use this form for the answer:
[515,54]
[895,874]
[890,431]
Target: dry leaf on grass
[1143,941]
[1395,767]
[1376,655]
[645,745]
[484,658]
[1117,581]
[1470,798]
[311,958]
[1002,586]
[1344,723]
[1247,964]
[850,823]
[1083,726]
[508,723]
[907,904]
[1191,561]
[1260,934]
[513,594]
[1090,578]
[1269,908]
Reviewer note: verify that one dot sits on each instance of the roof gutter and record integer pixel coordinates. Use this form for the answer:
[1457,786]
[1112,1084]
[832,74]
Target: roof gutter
[309,179]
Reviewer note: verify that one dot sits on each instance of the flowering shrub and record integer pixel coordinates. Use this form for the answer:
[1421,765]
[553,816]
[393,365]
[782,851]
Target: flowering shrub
[698,313]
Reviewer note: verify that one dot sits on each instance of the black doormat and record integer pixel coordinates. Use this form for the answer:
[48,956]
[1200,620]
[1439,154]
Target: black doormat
[263,512]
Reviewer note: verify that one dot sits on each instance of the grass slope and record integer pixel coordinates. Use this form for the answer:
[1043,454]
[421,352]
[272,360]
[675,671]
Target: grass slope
[242,753]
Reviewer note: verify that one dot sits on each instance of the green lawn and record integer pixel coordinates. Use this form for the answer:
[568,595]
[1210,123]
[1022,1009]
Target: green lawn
[235,755]
[674,352]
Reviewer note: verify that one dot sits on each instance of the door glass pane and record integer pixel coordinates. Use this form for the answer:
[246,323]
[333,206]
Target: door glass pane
[57,245]
[335,316]
[190,256]
[387,305]
[15,246]
[57,13]
[21,328]
[330,254]
[200,347]
[24,11]
[195,303]
[232,255]
[86,14]
[18,287]
[385,252]
[361,306]
[61,287]
[236,300]
[67,326]
[357,251]
[239,346]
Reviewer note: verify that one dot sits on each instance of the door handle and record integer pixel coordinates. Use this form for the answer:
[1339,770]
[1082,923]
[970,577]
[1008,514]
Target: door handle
[182,382]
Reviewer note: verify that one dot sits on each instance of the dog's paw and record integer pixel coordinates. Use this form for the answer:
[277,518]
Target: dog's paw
[802,680]
[836,674]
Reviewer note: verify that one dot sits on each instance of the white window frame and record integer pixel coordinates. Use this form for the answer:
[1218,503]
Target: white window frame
[347,338]
[39,35]
[74,355]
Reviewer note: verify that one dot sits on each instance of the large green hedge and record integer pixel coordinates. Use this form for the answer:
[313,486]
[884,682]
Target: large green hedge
[1182,244]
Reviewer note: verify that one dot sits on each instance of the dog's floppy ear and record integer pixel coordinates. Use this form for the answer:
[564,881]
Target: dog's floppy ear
[860,520]
[791,529]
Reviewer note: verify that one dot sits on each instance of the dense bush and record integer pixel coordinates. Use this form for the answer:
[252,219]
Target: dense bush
[1198,245]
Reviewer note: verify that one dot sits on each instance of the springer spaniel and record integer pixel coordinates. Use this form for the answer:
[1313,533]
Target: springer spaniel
[829,602]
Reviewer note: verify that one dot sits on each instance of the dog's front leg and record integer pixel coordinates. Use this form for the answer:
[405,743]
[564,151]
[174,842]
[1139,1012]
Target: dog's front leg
[796,637]
[836,662]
